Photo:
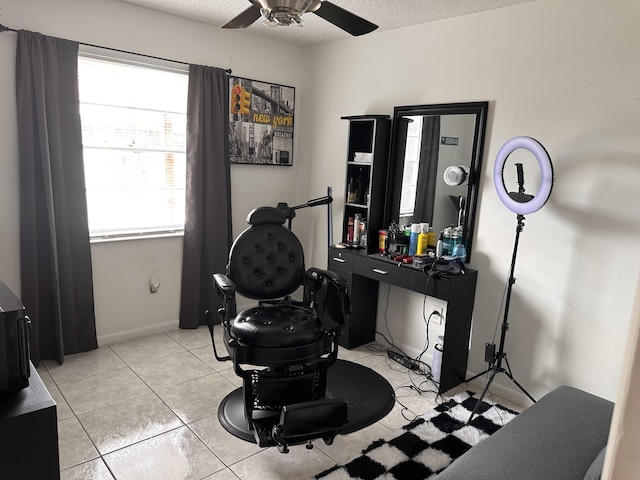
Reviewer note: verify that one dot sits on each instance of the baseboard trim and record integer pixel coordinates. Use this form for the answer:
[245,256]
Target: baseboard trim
[137,332]
[514,396]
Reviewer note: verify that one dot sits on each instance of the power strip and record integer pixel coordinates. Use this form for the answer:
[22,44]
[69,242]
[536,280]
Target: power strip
[402,360]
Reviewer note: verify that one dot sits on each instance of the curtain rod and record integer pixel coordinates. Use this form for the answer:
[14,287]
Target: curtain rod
[4,28]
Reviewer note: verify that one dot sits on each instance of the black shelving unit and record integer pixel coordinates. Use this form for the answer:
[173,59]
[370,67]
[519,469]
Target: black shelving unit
[367,161]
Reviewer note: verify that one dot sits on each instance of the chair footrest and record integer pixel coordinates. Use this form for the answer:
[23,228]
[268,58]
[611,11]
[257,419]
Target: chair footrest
[306,421]
[300,423]
[263,431]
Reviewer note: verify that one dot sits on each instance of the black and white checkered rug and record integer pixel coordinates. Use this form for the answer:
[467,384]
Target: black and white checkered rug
[426,446]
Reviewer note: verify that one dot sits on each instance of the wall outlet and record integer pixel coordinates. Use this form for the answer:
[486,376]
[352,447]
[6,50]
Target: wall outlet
[437,315]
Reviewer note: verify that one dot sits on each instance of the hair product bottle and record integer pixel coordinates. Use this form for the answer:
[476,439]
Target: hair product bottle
[356,229]
[413,238]
[423,239]
[432,239]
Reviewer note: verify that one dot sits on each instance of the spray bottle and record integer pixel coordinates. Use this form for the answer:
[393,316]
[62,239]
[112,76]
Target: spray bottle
[423,239]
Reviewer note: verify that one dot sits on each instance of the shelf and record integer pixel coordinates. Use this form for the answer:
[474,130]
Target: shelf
[368,134]
[364,117]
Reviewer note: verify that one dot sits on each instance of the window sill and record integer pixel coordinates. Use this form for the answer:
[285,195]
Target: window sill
[125,237]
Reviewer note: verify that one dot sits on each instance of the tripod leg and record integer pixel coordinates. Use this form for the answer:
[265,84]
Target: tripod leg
[510,375]
[479,375]
[484,392]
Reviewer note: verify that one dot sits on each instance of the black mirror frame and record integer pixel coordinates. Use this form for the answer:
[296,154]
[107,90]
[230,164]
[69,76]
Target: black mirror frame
[396,165]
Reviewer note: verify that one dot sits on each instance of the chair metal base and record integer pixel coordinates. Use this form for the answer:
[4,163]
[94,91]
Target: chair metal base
[368,395]
[231,416]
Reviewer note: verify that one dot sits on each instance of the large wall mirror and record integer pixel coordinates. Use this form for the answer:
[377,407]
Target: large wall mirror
[426,141]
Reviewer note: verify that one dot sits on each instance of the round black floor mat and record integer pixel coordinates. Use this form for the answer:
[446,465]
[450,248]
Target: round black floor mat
[368,395]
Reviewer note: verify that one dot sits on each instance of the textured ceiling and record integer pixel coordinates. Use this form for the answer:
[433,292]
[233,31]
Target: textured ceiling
[387,14]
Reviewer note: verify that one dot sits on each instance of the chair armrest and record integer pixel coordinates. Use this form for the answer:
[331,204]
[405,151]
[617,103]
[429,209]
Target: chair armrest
[227,288]
[224,284]
[324,273]
[319,274]
[329,294]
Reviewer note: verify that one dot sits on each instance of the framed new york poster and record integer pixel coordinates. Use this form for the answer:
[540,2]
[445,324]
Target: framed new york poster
[261,120]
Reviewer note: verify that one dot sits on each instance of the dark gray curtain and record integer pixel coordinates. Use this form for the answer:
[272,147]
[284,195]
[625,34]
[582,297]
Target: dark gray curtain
[428,170]
[207,229]
[57,285]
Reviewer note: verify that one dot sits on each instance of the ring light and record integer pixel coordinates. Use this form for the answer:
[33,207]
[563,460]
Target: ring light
[546,170]
[521,208]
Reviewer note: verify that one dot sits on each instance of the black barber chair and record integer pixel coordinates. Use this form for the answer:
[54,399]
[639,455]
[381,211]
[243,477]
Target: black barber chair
[281,349]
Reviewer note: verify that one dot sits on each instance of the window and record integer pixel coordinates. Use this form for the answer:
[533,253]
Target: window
[134,138]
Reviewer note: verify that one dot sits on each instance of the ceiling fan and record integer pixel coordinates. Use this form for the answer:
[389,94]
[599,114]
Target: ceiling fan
[289,12]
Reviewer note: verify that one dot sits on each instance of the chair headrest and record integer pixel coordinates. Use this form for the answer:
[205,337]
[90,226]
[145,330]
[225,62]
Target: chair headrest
[266,261]
[266,216]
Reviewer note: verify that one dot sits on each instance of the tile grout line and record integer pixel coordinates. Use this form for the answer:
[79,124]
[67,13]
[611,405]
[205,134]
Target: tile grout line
[214,370]
[128,366]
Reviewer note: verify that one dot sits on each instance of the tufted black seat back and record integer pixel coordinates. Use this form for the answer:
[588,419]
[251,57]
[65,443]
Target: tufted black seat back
[266,260]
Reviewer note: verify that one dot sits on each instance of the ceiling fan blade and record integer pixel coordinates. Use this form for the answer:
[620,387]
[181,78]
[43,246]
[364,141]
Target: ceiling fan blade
[245,19]
[347,21]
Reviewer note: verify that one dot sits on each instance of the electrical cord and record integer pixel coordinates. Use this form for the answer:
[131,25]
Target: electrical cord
[421,380]
[377,348]
[386,311]
[420,374]
[390,340]
[427,320]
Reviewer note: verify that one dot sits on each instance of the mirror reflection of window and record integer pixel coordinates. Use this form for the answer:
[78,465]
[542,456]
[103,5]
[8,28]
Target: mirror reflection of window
[456,134]
[410,171]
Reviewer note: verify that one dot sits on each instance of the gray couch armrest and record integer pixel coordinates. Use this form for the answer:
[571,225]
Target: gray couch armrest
[555,439]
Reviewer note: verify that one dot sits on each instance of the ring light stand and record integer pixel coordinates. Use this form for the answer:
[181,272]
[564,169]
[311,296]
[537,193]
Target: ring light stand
[521,204]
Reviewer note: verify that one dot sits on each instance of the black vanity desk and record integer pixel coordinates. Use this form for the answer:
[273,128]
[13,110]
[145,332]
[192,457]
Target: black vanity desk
[364,272]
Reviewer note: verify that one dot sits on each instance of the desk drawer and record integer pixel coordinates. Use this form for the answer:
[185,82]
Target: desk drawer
[383,271]
[434,287]
[340,260]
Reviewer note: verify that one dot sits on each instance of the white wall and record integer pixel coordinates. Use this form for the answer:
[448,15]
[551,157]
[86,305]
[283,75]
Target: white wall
[558,70]
[562,72]
[124,305]
[622,461]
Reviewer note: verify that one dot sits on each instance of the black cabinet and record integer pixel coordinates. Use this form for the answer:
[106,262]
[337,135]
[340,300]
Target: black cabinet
[366,176]
[29,433]
[360,325]
[364,272]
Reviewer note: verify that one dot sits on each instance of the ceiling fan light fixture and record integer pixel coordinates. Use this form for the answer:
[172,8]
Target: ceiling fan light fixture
[285,12]
[297,6]
[269,20]
[290,12]
[275,17]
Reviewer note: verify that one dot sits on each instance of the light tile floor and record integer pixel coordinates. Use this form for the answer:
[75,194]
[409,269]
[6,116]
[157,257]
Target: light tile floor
[146,408]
